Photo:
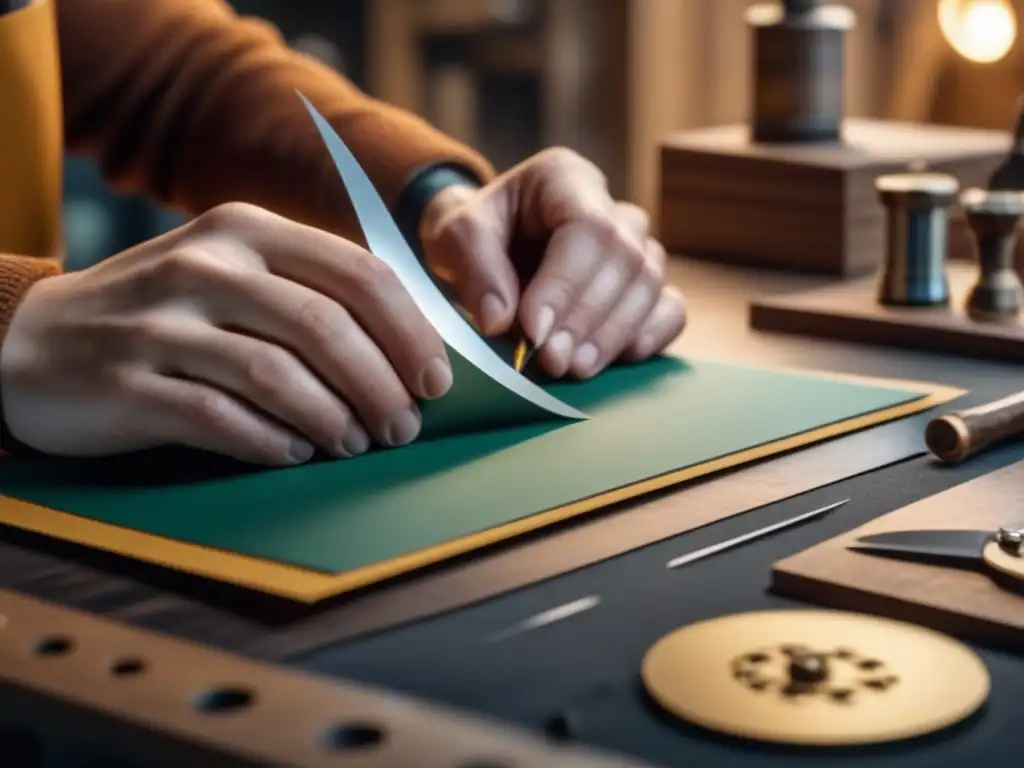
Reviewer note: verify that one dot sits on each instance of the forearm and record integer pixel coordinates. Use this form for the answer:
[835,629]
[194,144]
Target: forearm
[183,100]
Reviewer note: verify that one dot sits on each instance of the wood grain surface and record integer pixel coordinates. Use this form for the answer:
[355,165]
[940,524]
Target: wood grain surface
[808,207]
[964,602]
[850,311]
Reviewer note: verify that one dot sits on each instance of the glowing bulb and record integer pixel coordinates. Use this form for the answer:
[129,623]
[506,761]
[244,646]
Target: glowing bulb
[979,30]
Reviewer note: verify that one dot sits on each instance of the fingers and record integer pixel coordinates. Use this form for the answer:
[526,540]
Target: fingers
[622,323]
[353,278]
[268,377]
[469,251]
[591,268]
[664,324]
[330,341]
[195,415]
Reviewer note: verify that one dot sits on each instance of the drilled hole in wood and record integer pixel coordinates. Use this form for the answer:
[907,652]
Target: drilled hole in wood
[127,667]
[225,700]
[54,646]
[353,736]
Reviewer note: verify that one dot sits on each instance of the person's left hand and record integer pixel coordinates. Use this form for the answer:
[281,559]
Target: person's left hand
[598,293]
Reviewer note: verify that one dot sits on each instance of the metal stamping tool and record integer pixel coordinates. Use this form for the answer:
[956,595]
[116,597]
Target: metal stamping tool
[917,220]
[994,217]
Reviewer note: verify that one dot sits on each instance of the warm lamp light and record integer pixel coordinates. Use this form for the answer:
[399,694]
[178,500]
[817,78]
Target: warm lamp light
[982,31]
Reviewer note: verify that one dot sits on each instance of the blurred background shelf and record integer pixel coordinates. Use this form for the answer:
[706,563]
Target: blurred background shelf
[609,78]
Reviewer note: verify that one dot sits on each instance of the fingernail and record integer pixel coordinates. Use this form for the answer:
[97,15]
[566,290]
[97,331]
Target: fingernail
[403,429]
[560,347]
[436,379]
[355,442]
[545,322]
[492,310]
[300,451]
[586,358]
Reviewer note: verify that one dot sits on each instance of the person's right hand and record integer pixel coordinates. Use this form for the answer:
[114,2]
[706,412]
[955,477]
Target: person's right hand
[240,333]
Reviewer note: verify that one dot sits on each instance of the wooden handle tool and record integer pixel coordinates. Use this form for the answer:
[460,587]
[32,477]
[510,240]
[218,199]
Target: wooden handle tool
[955,436]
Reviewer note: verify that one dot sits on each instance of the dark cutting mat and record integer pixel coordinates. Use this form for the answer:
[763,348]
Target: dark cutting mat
[584,671]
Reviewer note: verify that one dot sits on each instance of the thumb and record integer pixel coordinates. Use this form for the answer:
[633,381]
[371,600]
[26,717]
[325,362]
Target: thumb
[469,249]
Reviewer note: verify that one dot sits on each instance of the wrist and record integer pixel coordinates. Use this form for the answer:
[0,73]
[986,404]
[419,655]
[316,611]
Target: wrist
[432,194]
[18,277]
[441,204]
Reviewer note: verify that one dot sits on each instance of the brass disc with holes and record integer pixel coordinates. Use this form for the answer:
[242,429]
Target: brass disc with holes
[1002,561]
[821,678]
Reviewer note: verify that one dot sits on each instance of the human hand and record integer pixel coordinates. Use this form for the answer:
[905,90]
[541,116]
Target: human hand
[598,294]
[241,333]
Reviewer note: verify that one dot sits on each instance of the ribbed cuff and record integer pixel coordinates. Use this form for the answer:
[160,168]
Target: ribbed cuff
[17,275]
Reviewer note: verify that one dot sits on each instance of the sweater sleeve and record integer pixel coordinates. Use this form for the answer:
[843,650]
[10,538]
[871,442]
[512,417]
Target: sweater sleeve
[194,105]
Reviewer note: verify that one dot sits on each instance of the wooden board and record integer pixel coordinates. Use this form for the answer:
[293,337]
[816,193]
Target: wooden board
[850,311]
[962,602]
[120,696]
[810,208]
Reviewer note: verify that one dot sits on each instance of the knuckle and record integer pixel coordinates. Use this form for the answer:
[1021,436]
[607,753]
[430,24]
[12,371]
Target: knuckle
[269,368]
[561,159]
[317,314]
[211,408]
[144,333]
[614,239]
[371,275]
[561,156]
[179,270]
[321,321]
[633,256]
[229,218]
[640,216]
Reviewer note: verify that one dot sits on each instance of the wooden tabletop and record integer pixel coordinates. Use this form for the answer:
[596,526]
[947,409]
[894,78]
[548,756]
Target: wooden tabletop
[718,300]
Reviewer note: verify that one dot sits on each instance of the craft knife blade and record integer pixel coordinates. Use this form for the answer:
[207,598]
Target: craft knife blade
[549,616]
[523,354]
[714,549]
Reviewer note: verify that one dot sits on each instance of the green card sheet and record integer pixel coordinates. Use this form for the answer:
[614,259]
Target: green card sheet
[335,516]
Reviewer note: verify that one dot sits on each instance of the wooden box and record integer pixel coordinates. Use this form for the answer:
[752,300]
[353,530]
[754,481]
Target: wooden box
[807,208]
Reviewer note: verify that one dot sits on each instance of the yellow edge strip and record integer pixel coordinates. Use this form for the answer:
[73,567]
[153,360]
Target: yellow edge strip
[308,586]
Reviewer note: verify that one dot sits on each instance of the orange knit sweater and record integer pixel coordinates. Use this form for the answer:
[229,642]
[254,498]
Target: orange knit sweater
[187,102]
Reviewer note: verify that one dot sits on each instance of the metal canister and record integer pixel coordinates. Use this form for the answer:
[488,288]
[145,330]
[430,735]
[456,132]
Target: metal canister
[916,239]
[798,56]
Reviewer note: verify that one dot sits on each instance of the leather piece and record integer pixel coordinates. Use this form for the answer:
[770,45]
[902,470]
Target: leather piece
[389,512]
[219,615]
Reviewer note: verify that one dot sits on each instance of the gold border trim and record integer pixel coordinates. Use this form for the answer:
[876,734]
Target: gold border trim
[306,586]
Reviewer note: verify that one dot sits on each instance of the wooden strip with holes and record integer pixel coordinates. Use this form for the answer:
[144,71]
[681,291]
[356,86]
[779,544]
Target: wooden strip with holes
[113,695]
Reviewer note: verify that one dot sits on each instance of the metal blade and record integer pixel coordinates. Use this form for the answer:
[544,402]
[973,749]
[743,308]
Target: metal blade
[960,545]
[714,549]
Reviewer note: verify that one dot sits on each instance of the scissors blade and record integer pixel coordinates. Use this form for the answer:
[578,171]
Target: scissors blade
[955,544]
